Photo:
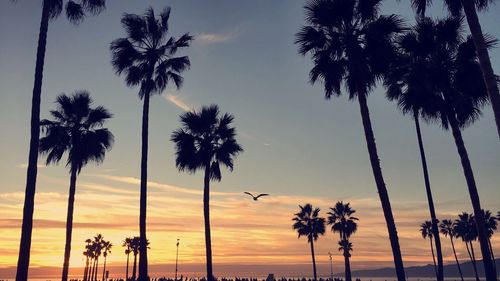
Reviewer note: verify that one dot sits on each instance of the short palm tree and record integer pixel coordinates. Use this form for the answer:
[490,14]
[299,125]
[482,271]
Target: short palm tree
[127,243]
[307,222]
[491,227]
[106,247]
[427,232]
[147,59]
[76,11]
[135,245]
[76,129]
[344,223]
[351,44]
[480,41]
[446,228]
[465,229]
[205,141]
[87,253]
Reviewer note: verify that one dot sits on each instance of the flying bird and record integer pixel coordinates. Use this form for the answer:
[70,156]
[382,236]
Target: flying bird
[256,197]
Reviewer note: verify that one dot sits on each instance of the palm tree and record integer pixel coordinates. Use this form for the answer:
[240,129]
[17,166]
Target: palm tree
[76,129]
[76,11]
[491,227]
[146,58]
[406,84]
[308,223]
[128,244]
[465,228]
[98,246]
[134,247]
[204,142]
[447,229]
[106,246]
[342,221]
[87,253]
[481,44]
[351,43]
[427,232]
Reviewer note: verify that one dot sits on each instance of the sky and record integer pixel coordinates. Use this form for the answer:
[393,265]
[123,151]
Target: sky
[299,147]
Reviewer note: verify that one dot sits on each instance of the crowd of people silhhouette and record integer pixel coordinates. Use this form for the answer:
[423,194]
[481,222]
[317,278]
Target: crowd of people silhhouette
[433,70]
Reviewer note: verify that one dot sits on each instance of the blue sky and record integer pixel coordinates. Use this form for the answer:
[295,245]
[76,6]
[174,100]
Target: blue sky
[243,59]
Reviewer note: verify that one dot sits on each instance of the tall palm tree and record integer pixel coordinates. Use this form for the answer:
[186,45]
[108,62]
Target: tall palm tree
[491,227]
[480,42]
[446,228]
[127,243]
[407,82]
[465,228]
[342,221]
[307,222]
[205,141]
[76,11]
[106,246]
[351,44]
[98,246]
[427,232]
[146,58]
[76,129]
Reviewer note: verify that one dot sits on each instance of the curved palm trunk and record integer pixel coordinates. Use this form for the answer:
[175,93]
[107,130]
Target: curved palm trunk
[433,257]
[484,62]
[104,270]
[313,259]
[126,270]
[143,254]
[472,260]
[69,224]
[456,258]
[381,188]
[347,267]
[206,215]
[29,199]
[430,201]
[86,269]
[134,269]
[489,269]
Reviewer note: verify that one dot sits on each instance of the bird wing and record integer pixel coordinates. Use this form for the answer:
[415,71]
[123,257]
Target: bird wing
[246,192]
[262,194]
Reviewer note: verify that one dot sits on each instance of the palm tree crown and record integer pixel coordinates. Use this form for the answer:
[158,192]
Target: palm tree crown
[446,228]
[76,129]
[426,229]
[342,220]
[206,139]
[465,227]
[308,223]
[146,55]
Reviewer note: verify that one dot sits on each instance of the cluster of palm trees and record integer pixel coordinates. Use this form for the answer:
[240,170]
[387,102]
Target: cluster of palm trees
[464,228]
[308,223]
[431,69]
[132,246]
[94,248]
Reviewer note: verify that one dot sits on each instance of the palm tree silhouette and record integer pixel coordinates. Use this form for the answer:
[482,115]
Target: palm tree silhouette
[308,223]
[351,44]
[455,86]
[481,43]
[447,229]
[204,142]
[465,228]
[106,246]
[146,58]
[406,83]
[128,244]
[76,129]
[427,232]
[342,221]
[491,226]
[135,245]
[76,11]
[87,253]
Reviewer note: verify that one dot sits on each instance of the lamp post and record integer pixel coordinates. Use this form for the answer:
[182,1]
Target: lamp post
[331,265]
[176,259]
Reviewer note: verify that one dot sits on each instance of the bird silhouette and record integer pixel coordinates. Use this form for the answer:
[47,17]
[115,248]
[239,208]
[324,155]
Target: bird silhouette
[256,197]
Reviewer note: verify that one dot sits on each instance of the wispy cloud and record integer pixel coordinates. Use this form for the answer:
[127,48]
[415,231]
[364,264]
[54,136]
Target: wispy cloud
[254,138]
[213,38]
[177,101]
[25,166]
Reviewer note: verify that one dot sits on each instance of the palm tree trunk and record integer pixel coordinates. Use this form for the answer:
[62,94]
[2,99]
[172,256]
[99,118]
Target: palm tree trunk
[96,268]
[456,258]
[491,250]
[69,223]
[29,199]
[433,258]
[143,254]
[484,61]
[104,269]
[347,267]
[474,260]
[206,214]
[134,269]
[91,278]
[86,268]
[126,270]
[381,188]
[430,201]
[489,270]
[313,259]
[89,271]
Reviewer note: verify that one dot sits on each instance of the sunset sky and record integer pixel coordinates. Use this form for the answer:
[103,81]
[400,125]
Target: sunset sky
[299,147]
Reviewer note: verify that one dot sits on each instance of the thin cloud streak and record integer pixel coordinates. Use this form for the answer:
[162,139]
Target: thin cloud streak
[177,101]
